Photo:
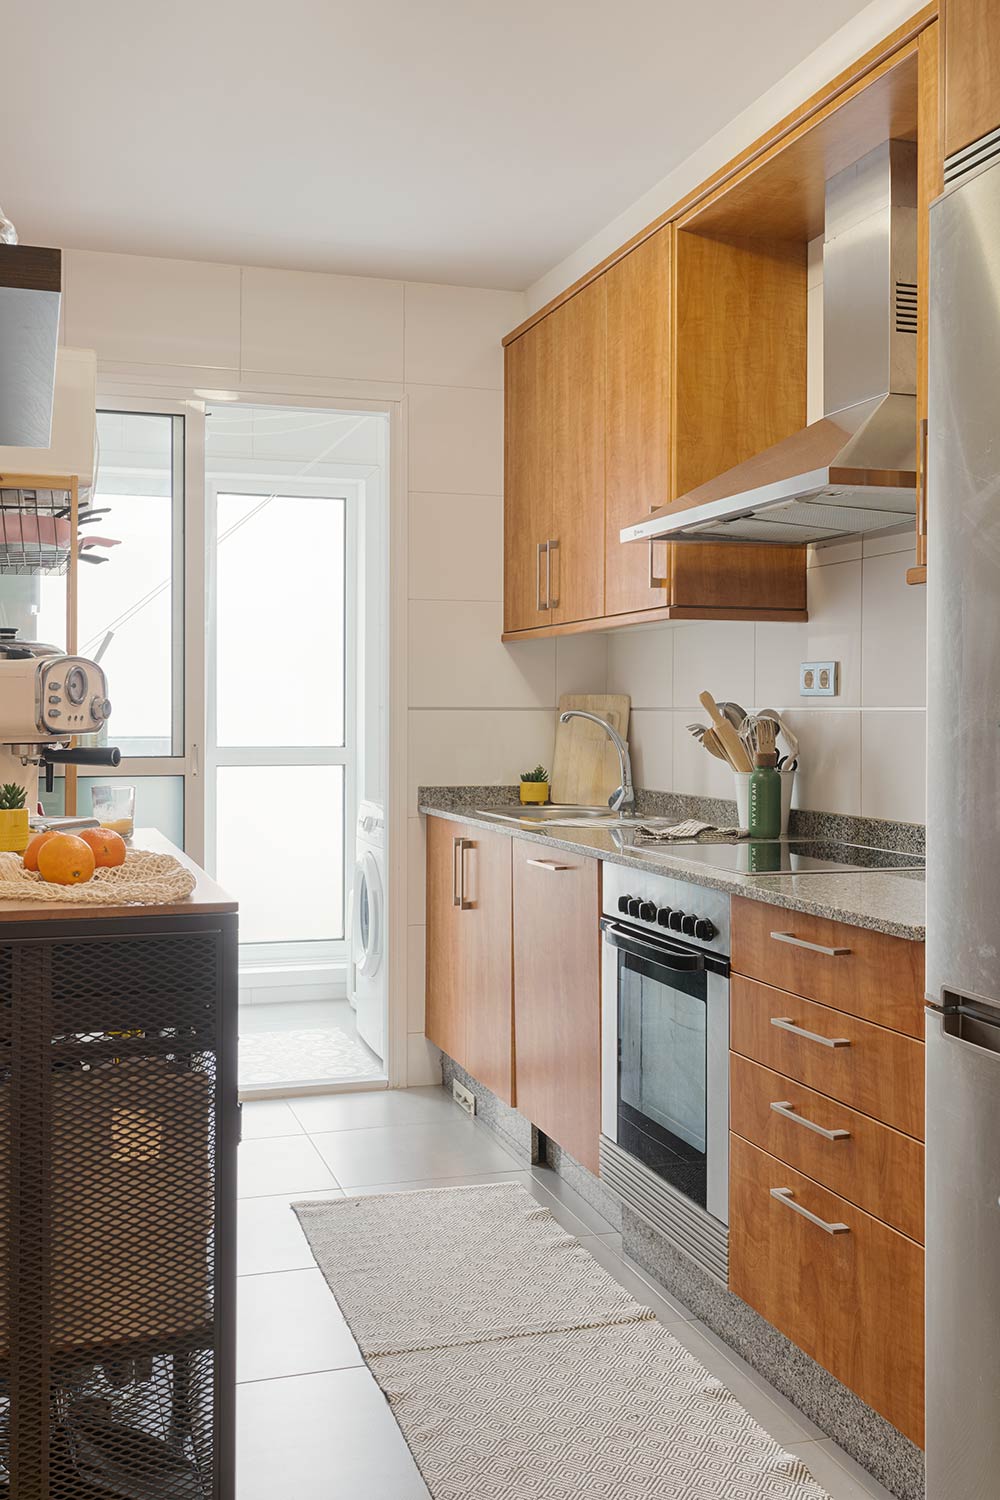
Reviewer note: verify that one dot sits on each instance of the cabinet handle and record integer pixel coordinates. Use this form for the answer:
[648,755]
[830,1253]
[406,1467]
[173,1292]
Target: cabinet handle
[785,1024]
[542,547]
[922,480]
[550,546]
[787,1112]
[459,847]
[547,864]
[789,937]
[787,1197]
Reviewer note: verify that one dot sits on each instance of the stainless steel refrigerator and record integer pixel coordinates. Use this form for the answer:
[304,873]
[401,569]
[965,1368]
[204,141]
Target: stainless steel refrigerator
[963,845]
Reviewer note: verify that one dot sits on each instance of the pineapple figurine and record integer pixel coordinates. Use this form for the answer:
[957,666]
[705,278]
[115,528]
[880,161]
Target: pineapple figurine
[14,830]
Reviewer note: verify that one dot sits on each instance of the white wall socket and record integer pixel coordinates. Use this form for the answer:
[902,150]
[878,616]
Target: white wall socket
[819,679]
[463,1097]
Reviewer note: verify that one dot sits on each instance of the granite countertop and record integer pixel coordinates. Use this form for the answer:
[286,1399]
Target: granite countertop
[889,901]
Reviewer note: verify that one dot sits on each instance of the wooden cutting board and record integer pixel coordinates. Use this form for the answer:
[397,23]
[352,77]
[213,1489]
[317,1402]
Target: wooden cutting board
[585,765]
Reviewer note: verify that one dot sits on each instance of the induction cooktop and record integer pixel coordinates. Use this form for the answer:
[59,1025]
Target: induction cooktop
[783,856]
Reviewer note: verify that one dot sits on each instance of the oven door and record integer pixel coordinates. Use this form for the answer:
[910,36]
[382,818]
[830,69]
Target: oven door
[665,1070]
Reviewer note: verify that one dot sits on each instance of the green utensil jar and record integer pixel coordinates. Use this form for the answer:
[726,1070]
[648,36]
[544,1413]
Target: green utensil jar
[765,797]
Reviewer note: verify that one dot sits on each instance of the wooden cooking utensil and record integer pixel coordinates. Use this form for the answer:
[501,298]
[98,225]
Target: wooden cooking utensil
[710,740]
[735,750]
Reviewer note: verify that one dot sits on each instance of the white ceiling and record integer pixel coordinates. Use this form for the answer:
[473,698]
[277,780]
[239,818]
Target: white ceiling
[469,141]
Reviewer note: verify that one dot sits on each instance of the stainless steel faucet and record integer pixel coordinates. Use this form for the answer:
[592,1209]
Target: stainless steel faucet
[624,796]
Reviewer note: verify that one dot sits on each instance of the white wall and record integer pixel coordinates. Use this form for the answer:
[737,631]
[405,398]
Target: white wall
[477,710]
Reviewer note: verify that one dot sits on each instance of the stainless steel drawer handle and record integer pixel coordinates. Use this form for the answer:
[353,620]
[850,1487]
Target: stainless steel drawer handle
[547,864]
[789,937]
[786,1110]
[786,1024]
[787,1197]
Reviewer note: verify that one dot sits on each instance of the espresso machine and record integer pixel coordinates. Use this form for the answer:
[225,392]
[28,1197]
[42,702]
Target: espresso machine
[48,699]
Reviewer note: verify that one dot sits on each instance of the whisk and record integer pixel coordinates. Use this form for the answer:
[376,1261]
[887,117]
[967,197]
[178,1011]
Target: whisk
[759,733]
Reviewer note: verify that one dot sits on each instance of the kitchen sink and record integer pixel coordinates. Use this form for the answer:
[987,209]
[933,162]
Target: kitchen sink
[560,815]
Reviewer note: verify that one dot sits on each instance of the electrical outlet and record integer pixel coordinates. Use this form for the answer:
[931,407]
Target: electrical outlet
[819,679]
[463,1097]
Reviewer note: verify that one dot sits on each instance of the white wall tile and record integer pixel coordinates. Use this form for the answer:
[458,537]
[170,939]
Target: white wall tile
[454,333]
[825,554]
[894,765]
[832,633]
[455,440]
[135,309]
[651,744]
[829,774]
[581,664]
[457,659]
[717,655]
[308,323]
[696,772]
[456,547]
[894,639]
[416,954]
[416,864]
[641,663]
[459,747]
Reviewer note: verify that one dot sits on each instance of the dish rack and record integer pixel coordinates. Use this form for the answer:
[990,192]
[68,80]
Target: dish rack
[37,529]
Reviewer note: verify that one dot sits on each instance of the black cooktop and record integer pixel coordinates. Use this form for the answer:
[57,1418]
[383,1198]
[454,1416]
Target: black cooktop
[786,856]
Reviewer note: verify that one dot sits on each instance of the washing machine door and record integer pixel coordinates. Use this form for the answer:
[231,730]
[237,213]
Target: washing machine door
[368,916]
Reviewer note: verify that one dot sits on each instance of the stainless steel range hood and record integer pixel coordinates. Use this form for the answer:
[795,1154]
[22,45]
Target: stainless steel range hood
[855,469]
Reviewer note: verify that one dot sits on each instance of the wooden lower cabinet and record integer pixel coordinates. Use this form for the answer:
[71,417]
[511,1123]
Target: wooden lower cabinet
[852,1299]
[468,988]
[557,996]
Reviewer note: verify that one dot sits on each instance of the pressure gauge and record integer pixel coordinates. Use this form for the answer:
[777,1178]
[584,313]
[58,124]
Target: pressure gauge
[76,685]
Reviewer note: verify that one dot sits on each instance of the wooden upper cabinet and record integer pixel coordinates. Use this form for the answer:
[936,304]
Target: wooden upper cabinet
[576,559]
[972,71]
[637,451]
[527,477]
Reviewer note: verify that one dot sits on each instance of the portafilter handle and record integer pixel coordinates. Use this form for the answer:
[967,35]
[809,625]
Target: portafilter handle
[102,755]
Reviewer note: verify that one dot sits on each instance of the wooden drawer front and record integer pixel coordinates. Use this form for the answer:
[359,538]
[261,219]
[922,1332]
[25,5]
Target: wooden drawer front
[866,973]
[879,1169]
[853,1299]
[878,1072]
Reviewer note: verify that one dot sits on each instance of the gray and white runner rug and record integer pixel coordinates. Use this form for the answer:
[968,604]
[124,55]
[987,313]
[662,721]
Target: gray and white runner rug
[564,1387]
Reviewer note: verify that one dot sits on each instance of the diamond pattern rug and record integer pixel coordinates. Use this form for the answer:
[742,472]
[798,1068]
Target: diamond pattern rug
[518,1369]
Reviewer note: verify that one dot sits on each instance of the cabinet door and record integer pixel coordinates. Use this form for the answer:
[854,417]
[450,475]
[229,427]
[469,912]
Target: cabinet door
[637,466]
[972,71]
[445,1015]
[527,522]
[484,922]
[557,996]
[578,331]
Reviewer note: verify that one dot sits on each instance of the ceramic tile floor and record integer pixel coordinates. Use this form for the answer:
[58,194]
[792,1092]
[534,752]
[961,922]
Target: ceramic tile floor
[312,1424]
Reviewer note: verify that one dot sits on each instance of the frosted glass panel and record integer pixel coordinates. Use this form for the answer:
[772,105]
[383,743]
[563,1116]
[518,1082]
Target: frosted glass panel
[280,621]
[280,850]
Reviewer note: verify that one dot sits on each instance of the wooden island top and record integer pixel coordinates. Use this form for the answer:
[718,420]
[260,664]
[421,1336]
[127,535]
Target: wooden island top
[206,898]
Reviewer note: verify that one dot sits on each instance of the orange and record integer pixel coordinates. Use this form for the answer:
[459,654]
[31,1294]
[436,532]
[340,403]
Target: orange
[34,844]
[108,846]
[66,860]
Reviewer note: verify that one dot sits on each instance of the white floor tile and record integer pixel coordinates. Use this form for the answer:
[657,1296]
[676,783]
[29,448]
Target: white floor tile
[321,1437]
[281,1164]
[324,1112]
[288,1323]
[268,1236]
[267,1117]
[399,1153]
[557,1187]
[422,1184]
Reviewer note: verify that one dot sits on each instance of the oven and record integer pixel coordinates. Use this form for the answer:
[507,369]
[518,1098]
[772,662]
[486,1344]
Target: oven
[665,1057]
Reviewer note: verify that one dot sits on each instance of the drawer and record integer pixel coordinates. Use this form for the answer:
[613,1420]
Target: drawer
[873,1070]
[872,1165]
[850,1294]
[866,973]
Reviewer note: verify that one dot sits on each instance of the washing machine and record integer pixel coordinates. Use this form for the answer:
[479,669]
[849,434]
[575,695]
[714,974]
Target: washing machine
[368,928]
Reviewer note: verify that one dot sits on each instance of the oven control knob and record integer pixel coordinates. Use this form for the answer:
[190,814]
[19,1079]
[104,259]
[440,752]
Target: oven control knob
[676,918]
[704,929]
[688,924]
[663,916]
[647,911]
[623,904]
[633,906]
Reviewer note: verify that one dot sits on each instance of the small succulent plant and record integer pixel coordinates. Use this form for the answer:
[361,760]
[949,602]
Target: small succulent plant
[538,774]
[11,796]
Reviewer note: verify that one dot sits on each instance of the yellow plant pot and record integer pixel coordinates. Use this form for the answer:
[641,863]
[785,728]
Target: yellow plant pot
[534,791]
[14,830]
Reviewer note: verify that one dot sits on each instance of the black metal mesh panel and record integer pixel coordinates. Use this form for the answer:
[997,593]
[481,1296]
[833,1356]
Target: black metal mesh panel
[109,1104]
[5,1220]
